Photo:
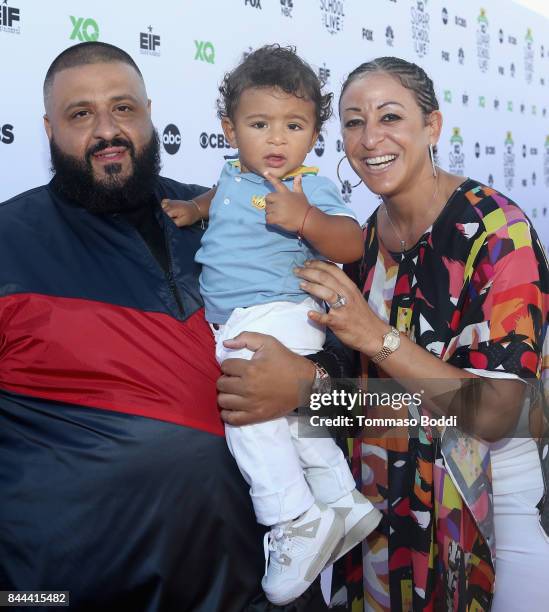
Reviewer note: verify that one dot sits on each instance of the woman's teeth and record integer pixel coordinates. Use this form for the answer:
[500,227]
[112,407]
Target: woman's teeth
[382,161]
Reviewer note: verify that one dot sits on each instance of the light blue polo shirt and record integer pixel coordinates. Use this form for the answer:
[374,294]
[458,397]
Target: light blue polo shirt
[245,261]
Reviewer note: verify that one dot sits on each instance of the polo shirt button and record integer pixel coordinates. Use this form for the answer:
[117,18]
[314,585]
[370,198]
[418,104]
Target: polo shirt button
[226,201]
[238,179]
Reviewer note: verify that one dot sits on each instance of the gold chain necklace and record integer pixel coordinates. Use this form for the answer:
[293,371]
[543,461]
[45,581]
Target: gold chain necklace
[397,233]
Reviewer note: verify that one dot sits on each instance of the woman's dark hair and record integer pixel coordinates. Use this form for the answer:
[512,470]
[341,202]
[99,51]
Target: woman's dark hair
[410,75]
[274,66]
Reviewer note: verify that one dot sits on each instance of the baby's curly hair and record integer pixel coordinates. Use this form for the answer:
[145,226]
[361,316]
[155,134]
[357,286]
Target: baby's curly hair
[274,66]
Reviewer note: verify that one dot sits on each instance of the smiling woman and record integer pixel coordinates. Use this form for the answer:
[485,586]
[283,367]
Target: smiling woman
[453,300]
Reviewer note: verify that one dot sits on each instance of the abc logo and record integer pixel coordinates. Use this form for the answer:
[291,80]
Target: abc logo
[171,139]
[320,145]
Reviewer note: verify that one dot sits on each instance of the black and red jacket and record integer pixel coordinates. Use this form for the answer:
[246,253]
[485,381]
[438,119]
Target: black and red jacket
[115,480]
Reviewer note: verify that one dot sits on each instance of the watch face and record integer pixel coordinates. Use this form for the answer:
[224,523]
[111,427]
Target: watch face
[392,342]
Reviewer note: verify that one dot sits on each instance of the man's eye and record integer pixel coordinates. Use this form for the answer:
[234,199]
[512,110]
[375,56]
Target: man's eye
[124,108]
[79,114]
[294,126]
[389,117]
[259,124]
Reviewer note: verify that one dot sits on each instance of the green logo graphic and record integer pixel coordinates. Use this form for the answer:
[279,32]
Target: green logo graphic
[447,95]
[205,51]
[482,19]
[456,136]
[510,106]
[482,101]
[84,29]
[509,139]
[547,141]
[529,38]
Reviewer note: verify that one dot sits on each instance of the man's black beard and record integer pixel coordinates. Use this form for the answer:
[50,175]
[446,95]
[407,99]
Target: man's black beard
[74,178]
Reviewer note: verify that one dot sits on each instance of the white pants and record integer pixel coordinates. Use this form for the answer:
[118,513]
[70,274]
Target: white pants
[522,548]
[286,472]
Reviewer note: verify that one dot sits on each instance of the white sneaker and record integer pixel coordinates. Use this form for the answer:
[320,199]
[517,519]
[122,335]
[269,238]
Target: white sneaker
[360,519]
[297,551]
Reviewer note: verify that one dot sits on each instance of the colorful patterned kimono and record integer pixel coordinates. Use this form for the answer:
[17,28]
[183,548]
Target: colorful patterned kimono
[473,291]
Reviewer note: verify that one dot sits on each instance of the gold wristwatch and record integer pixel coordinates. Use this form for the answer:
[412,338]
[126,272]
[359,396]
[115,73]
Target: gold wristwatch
[391,341]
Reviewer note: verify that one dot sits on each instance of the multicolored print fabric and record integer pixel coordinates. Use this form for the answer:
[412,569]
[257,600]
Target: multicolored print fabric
[474,292]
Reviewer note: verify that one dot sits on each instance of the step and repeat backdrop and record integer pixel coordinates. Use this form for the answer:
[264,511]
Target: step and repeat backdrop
[489,61]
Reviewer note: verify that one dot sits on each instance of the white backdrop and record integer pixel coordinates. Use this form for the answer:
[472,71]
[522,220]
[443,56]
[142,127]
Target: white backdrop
[489,60]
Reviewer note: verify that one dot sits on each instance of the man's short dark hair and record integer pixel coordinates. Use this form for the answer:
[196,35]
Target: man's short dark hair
[274,66]
[86,53]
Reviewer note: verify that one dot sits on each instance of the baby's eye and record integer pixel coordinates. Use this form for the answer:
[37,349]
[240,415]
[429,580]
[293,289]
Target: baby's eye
[259,124]
[294,126]
[389,117]
[353,123]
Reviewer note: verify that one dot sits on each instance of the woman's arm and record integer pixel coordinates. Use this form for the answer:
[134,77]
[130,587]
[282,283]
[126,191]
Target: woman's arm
[487,407]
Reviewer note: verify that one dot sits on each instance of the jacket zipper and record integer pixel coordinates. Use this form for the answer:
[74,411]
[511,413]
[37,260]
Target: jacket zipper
[169,275]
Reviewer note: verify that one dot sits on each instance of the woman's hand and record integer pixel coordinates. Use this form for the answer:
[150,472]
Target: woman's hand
[354,323]
[270,385]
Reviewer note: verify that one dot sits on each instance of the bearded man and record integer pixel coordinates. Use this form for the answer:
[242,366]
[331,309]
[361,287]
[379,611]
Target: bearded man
[116,482]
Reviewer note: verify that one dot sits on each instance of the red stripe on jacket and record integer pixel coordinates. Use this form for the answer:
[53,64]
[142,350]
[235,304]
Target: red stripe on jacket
[105,356]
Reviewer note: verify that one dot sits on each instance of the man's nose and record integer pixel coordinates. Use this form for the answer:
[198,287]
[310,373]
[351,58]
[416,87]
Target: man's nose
[106,127]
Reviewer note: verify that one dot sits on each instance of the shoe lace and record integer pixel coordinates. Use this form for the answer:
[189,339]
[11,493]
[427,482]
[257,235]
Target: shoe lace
[277,542]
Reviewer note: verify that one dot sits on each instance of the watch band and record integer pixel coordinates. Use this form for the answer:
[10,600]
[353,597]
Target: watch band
[390,345]
[383,354]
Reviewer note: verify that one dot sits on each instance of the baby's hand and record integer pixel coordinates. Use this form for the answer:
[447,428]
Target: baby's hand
[180,212]
[286,208]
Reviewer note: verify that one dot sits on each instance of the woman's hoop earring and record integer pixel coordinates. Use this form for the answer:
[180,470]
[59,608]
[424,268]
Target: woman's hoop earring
[339,177]
[432,158]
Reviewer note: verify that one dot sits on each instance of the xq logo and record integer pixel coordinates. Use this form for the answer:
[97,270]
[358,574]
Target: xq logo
[205,51]
[84,29]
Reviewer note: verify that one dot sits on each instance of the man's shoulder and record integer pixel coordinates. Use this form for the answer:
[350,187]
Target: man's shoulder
[175,190]
[31,198]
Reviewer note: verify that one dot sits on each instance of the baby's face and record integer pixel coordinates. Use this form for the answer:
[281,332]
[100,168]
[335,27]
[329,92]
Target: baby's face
[272,130]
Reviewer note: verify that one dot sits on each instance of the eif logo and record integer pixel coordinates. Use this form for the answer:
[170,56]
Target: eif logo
[149,42]
[324,74]
[84,29]
[205,51]
[9,15]
[6,133]
[483,41]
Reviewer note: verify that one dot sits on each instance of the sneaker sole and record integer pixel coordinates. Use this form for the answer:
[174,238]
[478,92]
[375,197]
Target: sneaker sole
[335,534]
[356,534]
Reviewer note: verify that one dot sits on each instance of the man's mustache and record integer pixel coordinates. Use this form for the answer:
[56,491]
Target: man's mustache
[106,144]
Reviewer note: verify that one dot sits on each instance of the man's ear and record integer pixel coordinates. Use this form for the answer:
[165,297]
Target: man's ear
[149,106]
[229,131]
[47,127]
